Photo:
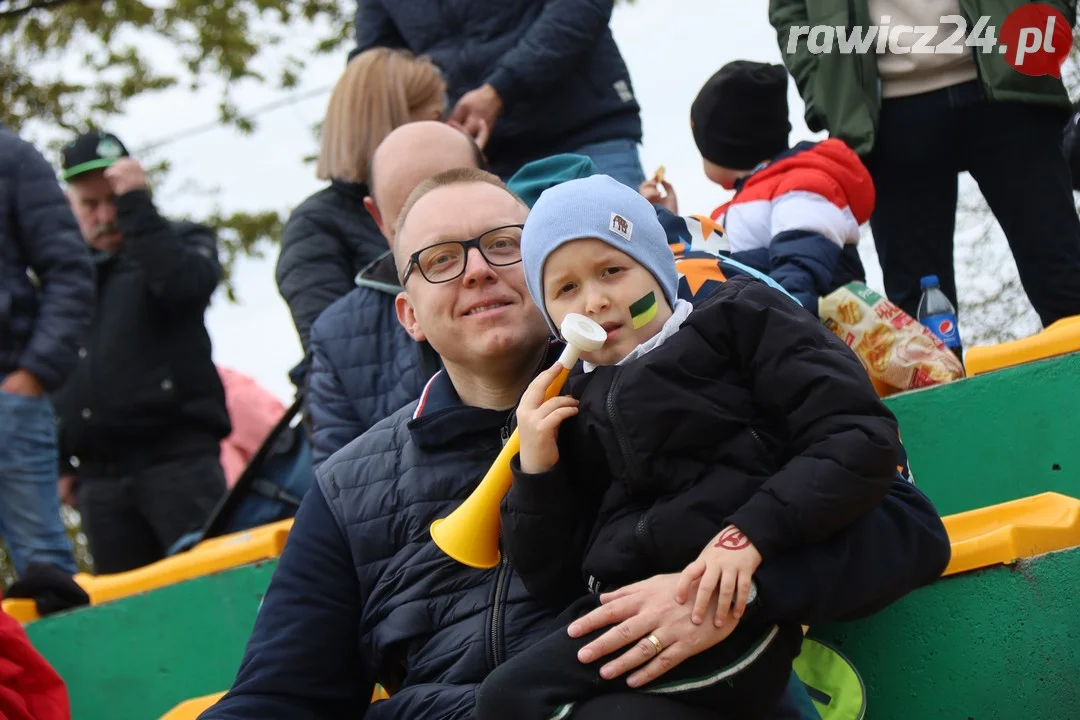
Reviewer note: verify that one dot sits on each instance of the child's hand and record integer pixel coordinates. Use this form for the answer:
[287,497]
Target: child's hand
[538,423]
[650,189]
[730,559]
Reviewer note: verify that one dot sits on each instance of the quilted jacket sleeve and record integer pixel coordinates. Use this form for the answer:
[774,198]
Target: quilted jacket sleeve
[50,240]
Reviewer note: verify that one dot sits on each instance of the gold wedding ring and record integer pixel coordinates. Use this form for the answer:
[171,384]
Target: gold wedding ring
[656,643]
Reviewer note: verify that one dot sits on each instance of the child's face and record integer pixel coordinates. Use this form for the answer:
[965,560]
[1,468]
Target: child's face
[591,278]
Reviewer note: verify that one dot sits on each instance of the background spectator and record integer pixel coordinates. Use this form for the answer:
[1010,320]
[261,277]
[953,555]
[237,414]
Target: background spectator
[330,237]
[41,320]
[919,119]
[542,76]
[144,412]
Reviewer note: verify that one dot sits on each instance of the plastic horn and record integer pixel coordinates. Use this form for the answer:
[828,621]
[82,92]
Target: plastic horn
[470,534]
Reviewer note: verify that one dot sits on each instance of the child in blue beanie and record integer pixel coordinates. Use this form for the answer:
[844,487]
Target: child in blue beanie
[741,426]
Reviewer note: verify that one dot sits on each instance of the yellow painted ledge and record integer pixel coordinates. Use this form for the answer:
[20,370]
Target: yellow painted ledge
[211,556]
[1002,534]
[1060,338]
[190,709]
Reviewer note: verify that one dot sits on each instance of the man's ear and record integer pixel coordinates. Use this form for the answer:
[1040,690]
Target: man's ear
[373,211]
[406,315]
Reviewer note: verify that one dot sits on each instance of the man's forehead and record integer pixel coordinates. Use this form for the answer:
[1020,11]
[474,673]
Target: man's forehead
[459,212]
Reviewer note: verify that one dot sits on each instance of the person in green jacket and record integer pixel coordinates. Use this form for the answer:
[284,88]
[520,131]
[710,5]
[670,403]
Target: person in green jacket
[920,118]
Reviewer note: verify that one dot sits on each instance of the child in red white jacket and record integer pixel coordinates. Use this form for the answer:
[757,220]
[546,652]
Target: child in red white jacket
[796,211]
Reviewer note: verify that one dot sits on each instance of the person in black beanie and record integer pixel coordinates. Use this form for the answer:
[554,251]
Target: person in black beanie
[797,210]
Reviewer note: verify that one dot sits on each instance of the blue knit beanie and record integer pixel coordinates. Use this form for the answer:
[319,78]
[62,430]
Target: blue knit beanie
[595,207]
[534,178]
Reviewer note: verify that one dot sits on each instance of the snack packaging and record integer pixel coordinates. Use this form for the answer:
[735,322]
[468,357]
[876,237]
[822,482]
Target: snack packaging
[893,347]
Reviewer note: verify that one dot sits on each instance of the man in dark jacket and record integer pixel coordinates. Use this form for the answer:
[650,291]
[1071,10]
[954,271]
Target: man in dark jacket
[364,365]
[41,319]
[362,595]
[544,76]
[920,118]
[144,411]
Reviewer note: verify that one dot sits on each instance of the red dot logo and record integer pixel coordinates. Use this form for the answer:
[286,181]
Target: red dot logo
[1036,39]
[945,327]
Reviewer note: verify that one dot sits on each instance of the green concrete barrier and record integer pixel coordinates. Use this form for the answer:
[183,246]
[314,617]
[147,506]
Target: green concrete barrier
[1002,643]
[135,658]
[995,437]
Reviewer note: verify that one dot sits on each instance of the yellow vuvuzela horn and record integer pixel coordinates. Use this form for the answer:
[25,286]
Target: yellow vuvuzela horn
[470,534]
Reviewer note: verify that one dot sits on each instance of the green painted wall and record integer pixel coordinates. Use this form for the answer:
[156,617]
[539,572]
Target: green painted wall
[995,437]
[996,644]
[136,658]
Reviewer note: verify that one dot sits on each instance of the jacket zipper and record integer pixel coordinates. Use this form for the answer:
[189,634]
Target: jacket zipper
[757,437]
[497,613]
[616,425]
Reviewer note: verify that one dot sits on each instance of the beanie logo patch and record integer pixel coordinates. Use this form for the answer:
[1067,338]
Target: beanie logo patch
[621,226]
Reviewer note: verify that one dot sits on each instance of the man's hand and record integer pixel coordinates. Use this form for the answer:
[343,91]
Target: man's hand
[539,421]
[22,382]
[476,113]
[126,175]
[729,559]
[632,614]
[66,490]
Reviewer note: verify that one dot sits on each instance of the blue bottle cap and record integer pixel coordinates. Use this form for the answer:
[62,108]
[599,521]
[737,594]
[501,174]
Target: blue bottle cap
[929,281]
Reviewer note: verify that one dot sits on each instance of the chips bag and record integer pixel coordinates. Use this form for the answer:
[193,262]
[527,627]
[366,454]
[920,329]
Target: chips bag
[893,347]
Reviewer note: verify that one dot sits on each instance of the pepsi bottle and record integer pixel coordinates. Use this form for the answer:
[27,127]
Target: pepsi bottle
[939,315]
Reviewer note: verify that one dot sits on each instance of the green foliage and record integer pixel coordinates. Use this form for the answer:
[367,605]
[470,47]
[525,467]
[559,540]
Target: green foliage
[74,64]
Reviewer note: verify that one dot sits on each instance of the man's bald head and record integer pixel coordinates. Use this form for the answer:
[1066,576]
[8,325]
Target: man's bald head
[409,155]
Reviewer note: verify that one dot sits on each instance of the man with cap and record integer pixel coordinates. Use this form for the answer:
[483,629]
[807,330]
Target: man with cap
[796,211]
[142,416]
[41,319]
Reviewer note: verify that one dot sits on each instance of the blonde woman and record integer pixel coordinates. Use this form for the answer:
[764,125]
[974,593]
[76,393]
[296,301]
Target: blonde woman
[330,236]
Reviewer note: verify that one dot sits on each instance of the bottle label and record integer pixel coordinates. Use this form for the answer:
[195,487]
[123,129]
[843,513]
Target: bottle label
[944,326]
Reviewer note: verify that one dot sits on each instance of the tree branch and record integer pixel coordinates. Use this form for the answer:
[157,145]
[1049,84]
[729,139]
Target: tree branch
[29,7]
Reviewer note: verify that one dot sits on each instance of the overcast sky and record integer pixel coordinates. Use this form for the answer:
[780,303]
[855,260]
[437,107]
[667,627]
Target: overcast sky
[670,46]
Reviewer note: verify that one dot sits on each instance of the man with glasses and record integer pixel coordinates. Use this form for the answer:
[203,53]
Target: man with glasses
[361,594]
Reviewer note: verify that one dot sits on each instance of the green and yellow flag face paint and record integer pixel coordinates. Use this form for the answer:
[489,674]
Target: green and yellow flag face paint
[643,311]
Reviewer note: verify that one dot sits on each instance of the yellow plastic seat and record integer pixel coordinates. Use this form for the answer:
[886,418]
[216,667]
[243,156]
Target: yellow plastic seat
[190,709]
[209,556]
[1002,534]
[1059,339]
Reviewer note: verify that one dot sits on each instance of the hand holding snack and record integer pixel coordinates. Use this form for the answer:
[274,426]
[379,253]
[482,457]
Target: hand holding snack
[651,191]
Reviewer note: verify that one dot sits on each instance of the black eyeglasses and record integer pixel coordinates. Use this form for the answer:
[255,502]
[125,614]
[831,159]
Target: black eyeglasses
[446,261]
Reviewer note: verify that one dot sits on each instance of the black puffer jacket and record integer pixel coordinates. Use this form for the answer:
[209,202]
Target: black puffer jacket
[752,414]
[40,323]
[145,384]
[554,63]
[328,239]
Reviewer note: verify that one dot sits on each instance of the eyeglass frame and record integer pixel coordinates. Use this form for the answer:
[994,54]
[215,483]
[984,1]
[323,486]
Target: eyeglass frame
[414,259]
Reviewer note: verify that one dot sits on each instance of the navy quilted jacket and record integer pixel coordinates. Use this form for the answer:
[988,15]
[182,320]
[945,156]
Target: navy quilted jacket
[40,320]
[364,366]
[361,594]
[554,63]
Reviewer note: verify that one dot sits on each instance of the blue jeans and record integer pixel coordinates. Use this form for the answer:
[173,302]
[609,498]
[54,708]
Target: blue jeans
[29,505]
[617,158]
